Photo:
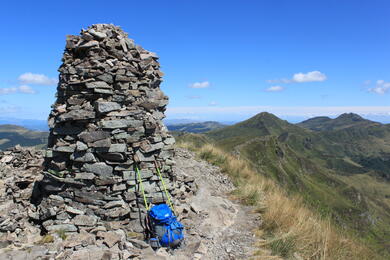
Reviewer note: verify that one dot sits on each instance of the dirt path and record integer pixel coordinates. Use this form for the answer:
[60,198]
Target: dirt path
[222,228]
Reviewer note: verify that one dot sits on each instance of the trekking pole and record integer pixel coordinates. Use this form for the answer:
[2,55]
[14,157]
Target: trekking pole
[165,188]
[142,187]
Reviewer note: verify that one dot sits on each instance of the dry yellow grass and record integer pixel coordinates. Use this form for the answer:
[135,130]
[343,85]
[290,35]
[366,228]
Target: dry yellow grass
[289,229]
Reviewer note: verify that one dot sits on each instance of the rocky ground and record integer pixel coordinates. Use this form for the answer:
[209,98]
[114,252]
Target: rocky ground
[216,226]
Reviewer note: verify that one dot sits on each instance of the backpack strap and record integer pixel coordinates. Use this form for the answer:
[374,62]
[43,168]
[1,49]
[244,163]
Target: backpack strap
[165,188]
[142,187]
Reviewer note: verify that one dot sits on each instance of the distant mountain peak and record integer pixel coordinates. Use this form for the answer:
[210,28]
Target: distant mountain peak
[351,116]
[346,120]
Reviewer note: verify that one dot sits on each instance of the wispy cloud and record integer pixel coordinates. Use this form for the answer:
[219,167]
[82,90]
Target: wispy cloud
[275,89]
[37,79]
[21,89]
[203,84]
[26,89]
[194,97]
[300,77]
[381,87]
[213,103]
[367,83]
[10,109]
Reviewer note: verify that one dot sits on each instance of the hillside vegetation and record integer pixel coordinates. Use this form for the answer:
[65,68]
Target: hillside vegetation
[338,167]
[289,229]
[11,135]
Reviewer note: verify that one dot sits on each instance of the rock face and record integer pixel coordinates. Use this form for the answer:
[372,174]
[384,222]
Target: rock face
[106,121]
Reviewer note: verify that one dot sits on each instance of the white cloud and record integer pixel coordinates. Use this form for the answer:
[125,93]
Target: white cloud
[275,89]
[213,103]
[311,76]
[21,89]
[203,84]
[37,79]
[381,87]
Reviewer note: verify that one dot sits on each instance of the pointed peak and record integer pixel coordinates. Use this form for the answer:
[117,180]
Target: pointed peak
[351,116]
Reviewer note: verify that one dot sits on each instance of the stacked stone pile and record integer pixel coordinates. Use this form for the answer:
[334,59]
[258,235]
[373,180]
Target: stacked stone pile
[19,169]
[107,121]
[21,237]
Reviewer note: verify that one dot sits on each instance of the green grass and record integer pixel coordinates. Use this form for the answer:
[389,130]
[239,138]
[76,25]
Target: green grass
[288,226]
[336,172]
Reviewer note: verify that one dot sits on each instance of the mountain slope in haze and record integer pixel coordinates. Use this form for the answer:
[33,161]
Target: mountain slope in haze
[198,127]
[31,124]
[346,120]
[11,135]
[341,169]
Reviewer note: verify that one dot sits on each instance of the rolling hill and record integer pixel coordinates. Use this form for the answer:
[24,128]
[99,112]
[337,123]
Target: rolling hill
[11,135]
[199,127]
[341,166]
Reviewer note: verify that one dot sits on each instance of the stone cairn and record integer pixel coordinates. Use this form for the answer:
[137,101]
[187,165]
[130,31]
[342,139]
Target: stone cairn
[106,121]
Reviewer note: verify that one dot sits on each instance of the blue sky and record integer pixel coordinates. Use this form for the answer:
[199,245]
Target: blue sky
[223,60]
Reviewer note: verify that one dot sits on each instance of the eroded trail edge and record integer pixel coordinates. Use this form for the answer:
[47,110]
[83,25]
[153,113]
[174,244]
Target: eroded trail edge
[217,226]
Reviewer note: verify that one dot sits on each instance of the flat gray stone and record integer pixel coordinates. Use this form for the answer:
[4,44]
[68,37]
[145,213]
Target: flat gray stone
[97,84]
[117,148]
[114,204]
[103,91]
[110,238]
[64,149]
[114,157]
[121,123]
[144,158]
[62,227]
[139,243]
[106,78]
[132,175]
[89,44]
[84,220]
[104,107]
[80,146]
[89,137]
[169,141]
[82,157]
[119,187]
[72,210]
[84,176]
[105,143]
[151,147]
[79,114]
[97,35]
[99,168]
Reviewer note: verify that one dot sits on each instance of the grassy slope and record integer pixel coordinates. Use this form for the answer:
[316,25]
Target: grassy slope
[325,168]
[289,229]
[11,135]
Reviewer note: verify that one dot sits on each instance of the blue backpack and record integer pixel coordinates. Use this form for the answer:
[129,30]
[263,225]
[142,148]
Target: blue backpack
[164,226]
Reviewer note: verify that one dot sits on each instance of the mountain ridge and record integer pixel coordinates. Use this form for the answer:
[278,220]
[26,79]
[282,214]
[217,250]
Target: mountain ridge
[326,167]
[345,120]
